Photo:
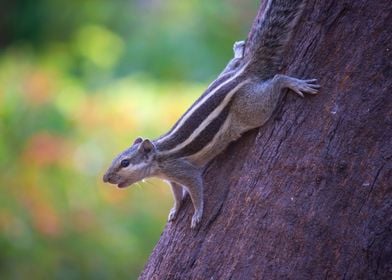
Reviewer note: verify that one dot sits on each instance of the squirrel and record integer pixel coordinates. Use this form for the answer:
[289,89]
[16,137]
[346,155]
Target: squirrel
[243,97]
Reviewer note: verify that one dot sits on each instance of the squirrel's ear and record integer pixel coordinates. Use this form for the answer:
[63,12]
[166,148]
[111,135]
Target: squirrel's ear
[146,146]
[137,141]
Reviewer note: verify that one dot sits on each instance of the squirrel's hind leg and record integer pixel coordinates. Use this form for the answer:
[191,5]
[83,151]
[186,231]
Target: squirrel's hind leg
[297,85]
[254,105]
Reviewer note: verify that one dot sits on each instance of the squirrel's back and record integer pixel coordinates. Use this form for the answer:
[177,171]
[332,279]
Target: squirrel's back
[266,47]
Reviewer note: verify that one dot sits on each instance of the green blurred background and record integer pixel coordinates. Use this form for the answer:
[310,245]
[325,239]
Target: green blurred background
[79,80]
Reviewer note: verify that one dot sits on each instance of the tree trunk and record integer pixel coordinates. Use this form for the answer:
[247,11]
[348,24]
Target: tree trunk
[308,195]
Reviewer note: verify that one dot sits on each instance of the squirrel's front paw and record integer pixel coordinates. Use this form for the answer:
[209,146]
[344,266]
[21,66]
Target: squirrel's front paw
[196,219]
[172,214]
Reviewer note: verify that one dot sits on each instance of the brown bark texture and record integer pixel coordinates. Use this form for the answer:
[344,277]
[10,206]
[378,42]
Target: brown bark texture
[308,195]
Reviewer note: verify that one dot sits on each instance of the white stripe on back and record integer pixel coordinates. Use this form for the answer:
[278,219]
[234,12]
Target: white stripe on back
[215,113]
[201,102]
[209,146]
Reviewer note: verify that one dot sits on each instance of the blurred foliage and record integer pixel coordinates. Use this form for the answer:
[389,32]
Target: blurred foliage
[79,80]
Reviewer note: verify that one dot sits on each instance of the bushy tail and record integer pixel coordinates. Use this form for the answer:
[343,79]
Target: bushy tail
[271,33]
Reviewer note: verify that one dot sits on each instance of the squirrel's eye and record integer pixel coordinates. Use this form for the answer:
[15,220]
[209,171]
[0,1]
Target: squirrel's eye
[124,163]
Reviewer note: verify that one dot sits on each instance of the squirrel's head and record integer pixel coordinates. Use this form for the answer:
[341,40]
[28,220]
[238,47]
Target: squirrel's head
[132,165]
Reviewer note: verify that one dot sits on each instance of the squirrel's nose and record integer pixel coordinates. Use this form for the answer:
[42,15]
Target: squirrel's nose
[106,177]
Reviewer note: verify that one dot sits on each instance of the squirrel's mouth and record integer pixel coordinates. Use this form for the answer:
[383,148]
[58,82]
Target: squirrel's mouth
[123,185]
[126,183]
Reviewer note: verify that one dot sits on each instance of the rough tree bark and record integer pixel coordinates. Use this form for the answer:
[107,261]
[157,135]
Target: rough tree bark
[309,195]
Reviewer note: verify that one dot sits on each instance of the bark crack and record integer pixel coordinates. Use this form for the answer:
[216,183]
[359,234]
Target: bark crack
[287,132]
[267,141]
[331,21]
[311,44]
[217,213]
[372,187]
[333,133]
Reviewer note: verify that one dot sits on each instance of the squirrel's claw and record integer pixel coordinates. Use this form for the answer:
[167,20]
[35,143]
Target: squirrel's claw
[172,214]
[196,218]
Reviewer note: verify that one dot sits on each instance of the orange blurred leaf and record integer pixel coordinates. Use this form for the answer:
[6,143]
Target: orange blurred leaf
[45,149]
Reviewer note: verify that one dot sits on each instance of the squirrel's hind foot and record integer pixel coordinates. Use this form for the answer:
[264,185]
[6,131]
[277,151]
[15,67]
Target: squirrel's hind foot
[303,86]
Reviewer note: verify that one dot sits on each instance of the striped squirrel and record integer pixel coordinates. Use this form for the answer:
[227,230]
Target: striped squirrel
[243,97]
